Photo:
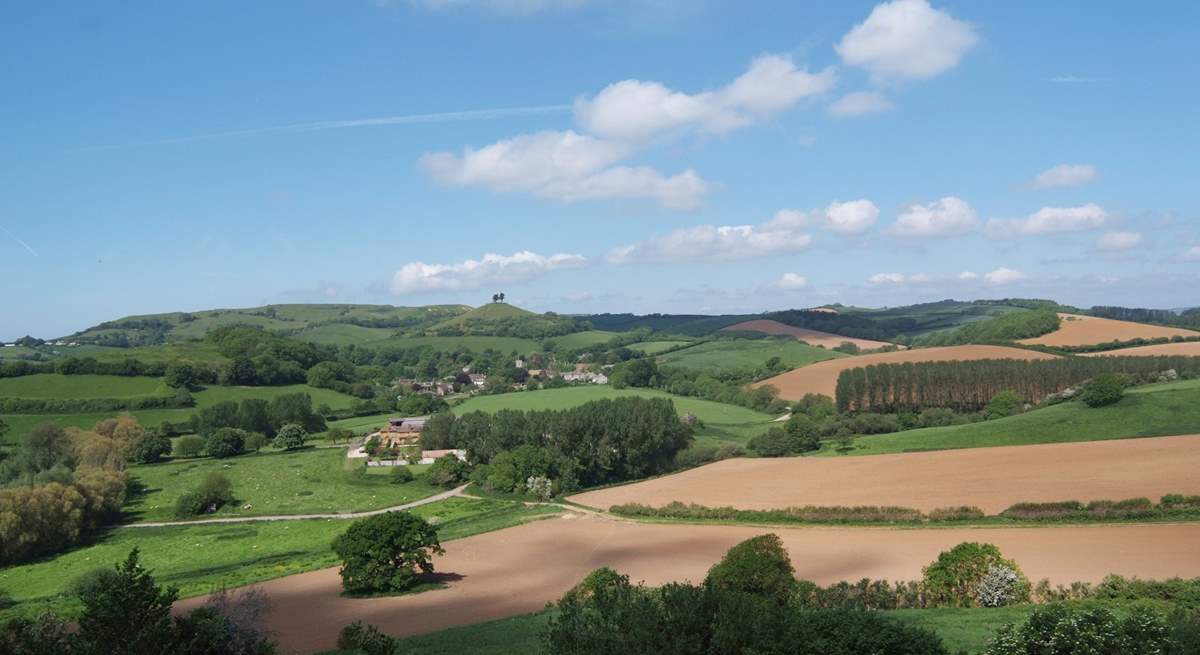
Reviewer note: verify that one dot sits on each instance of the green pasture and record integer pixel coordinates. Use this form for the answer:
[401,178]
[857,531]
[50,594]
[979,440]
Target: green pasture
[746,354]
[655,347]
[54,385]
[583,339]
[472,343]
[343,334]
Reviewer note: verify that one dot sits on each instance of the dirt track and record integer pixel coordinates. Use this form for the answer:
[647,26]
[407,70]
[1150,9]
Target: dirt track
[989,478]
[1187,349]
[812,337]
[518,570]
[1078,330]
[821,377]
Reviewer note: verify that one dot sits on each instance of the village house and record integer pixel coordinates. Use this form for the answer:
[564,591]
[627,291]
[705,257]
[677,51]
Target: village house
[401,432]
[478,379]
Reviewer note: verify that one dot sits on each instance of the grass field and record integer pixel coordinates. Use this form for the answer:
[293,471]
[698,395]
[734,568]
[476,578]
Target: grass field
[313,481]
[212,395]
[188,351]
[343,334]
[747,353]
[54,385]
[583,339]
[655,347]
[475,344]
[22,423]
[1156,410]
[722,422]
[201,558]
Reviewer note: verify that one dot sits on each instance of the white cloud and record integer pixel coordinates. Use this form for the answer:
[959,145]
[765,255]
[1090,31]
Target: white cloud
[1065,175]
[853,217]
[1003,276]
[949,216]
[417,277]
[563,166]
[792,281]
[906,39]
[859,103]
[1192,254]
[636,110]
[1049,220]
[716,242]
[898,278]
[968,275]
[500,6]
[1117,241]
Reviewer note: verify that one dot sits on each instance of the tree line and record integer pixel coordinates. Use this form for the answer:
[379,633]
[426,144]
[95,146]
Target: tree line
[180,399]
[970,385]
[1001,329]
[1186,318]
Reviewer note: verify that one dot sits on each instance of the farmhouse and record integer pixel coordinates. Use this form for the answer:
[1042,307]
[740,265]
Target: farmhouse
[401,432]
[478,379]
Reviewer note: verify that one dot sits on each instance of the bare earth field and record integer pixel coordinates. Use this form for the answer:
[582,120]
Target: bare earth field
[1187,349]
[1078,330]
[519,570]
[989,478]
[821,377]
[812,337]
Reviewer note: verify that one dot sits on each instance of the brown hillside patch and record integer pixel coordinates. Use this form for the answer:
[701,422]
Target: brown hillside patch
[1186,349]
[1077,330]
[519,570]
[821,377]
[989,478]
[812,337]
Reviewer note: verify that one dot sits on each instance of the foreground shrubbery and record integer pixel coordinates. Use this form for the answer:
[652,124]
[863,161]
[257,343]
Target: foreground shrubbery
[1061,630]
[747,604]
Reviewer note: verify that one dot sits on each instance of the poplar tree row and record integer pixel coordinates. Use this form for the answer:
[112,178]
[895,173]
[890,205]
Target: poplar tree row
[969,386]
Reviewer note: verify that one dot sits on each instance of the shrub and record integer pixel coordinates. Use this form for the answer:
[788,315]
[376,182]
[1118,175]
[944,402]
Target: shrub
[366,639]
[291,436]
[759,566]
[961,513]
[954,578]
[448,471]
[1104,389]
[1058,629]
[385,552]
[214,492]
[400,475]
[151,448]
[1004,403]
[189,446]
[999,586]
[225,442]
[255,441]
[773,443]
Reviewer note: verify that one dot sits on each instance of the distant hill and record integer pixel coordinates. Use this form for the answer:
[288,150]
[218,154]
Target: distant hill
[499,319]
[292,320]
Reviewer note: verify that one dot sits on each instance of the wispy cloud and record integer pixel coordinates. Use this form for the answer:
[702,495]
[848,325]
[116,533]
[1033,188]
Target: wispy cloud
[406,119]
[1076,79]
[23,244]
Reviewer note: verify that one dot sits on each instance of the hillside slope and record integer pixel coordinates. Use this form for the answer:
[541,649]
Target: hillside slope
[499,319]
[1077,330]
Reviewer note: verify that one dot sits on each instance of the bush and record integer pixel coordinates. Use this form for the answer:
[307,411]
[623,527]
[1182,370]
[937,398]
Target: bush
[999,586]
[1059,629]
[255,441]
[448,471]
[1004,403]
[189,446]
[225,442]
[758,566]
[385,552]
[400,475]
[1104,389]
[151,448]
[366,639]
[291,437]
[214,492]
[953,579]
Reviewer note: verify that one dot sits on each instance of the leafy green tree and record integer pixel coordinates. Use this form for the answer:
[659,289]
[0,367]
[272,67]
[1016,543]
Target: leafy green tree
[226,442]
[151,448]
[291,437]
[296,408]
[255,441]
[45,634]
[1104,389]
[438,431]
[3,428]
[367,640]
[214,492]
[1004,403]
[386,552]
[181,375]
[775,442]
[952,580]
[189,446]
[337,434]
[759,565]
[214,417]
[804,432]
[400,475]
[635,373]
[130,614]
[254,415]
[448,471]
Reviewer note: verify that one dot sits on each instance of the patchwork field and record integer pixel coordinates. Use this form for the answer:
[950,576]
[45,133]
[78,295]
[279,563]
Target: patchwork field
[519,570]
[747,353]
[655,347]
[342,334]
[583,339]
[813,337]
[472,343]
[54,385]
[1077,330]
[1186,349]
[821,377]
[989,478]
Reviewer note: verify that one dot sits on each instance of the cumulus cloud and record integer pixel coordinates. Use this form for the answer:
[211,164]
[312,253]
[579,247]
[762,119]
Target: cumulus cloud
[1118,241]
[500,6]
[906,40]
[564,166]
[1192,254]
[947,217]
[1049,220]
[853,217]
[417,277]
[636,110]
[859,103]
[716,242]
[968,275]
[1003,276]
[792,281]
[898,278]
[1065,175]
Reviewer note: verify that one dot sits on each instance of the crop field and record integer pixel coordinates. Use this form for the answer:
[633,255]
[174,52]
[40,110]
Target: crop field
[312,481]
[746,353]
[519,570]
[201,558]
[1150,411]
[989,478]
[1077,330]
[821,377]
[1185,348]
[812,337]
[722,422]
[54,385]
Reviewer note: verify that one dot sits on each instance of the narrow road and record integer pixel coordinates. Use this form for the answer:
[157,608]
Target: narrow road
[300,517]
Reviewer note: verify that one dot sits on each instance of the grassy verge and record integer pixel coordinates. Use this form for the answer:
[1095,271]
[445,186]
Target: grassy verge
[200,558]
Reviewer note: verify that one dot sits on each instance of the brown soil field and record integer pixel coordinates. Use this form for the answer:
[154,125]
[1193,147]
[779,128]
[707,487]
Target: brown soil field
[989,478]
[1078,330]
[519,570]
[812,337]
[821,377]
[1187,349]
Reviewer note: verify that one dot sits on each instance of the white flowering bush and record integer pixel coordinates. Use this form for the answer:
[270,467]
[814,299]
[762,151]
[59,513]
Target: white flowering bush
[539,486]
[999,586]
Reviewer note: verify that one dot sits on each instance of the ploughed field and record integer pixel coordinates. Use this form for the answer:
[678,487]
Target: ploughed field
[519,570]
[1186,349]
[1076,330]
[989,478]
[812,337]
[821,377]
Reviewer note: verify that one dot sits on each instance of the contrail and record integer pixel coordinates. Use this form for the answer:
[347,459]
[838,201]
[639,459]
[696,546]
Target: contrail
[14,238]
[443,117]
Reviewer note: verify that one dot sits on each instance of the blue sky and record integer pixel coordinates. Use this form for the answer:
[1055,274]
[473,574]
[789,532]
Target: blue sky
[593,155]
